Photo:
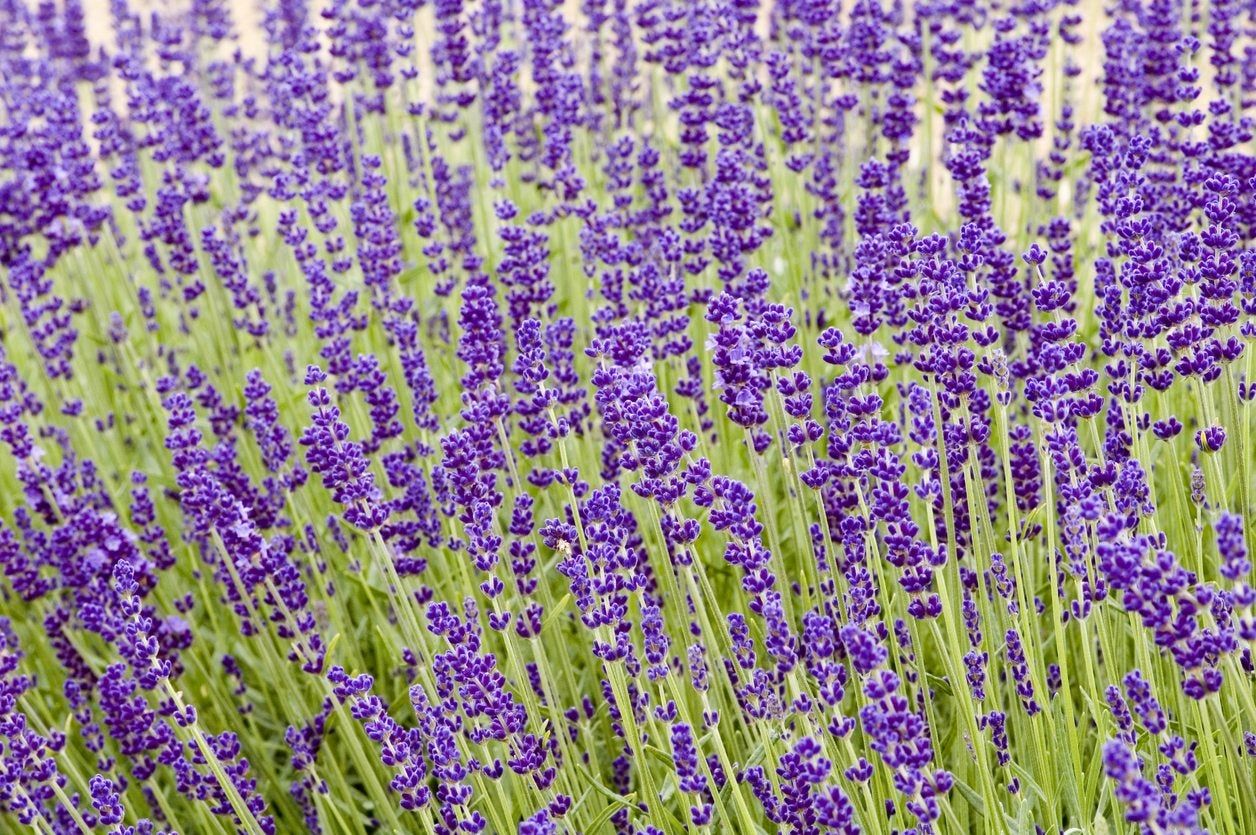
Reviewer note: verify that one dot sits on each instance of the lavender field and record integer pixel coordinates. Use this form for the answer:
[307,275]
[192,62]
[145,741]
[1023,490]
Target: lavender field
[627,417]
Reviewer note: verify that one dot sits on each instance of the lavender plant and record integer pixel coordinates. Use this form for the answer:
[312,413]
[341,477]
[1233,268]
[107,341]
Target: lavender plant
[627,418]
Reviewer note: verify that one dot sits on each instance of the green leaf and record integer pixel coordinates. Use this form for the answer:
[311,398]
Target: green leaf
[939,683]
[1069,793]
[628,800]
[660,755]
[970,794]
[579,804]
[1024,816]
[600,821]
[559,608]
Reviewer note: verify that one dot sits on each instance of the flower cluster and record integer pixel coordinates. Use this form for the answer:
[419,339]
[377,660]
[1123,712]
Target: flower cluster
[627,417]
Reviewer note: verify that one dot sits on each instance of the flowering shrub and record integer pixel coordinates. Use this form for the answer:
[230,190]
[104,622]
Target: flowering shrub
[640,418]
